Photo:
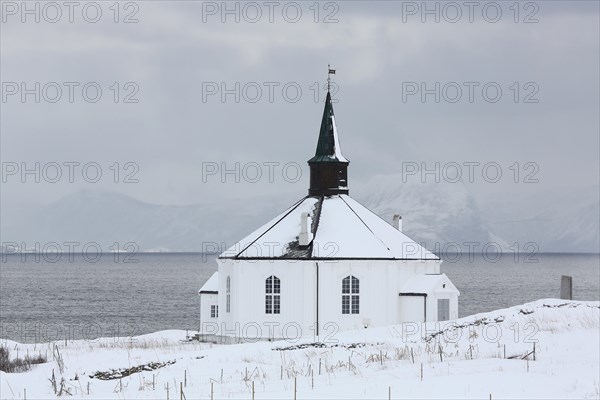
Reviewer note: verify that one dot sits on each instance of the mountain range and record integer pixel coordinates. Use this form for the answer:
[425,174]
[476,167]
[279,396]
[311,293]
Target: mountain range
[440,216]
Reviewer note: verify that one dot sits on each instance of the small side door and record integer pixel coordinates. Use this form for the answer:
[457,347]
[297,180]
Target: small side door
[443,307]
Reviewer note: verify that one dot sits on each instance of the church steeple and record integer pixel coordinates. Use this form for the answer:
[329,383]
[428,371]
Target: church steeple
[328,168]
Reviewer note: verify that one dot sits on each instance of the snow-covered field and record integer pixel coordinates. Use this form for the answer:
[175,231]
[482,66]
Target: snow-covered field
[484,355]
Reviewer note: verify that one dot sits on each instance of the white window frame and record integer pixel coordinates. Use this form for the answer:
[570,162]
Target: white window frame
[214,311]
[228,295]
[272,295]
[350,295]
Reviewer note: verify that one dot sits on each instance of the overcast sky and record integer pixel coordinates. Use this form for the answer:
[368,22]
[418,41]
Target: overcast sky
[179,52]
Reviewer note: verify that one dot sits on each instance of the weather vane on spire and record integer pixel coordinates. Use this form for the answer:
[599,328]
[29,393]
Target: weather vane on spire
[329,73]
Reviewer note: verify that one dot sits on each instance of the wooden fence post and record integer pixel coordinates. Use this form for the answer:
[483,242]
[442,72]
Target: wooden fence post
[53,381]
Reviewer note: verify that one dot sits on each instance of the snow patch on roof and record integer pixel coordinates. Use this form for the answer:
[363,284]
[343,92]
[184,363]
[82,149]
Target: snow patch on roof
[211,285]
[428,283]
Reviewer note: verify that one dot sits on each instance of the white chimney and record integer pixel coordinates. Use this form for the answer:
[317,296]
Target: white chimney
[303,239]
[397,222]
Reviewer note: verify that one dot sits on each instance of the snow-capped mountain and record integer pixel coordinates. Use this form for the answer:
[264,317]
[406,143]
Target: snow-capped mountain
[107,218]
[567,222]
[436,214]
[433,214]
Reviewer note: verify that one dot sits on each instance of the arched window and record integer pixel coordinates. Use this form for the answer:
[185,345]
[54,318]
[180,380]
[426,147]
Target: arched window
[272,295]
[350,297]
[228,295]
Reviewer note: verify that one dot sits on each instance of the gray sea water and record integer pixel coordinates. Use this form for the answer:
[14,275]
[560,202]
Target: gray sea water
[73,298]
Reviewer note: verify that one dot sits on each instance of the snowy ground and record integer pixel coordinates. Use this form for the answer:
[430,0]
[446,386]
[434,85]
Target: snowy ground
[370,363]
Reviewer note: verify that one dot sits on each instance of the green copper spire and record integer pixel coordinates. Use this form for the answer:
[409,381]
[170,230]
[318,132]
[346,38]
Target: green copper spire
[328,146]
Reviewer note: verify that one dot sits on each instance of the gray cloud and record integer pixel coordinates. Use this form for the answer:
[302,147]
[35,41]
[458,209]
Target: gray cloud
[171,131]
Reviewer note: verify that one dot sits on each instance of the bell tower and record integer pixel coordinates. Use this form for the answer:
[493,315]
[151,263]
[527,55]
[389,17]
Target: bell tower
[328,168]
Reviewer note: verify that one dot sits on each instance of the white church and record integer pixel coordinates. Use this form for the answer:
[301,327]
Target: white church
[325,264]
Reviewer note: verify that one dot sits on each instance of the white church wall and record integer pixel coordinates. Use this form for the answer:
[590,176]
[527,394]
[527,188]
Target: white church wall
[431,267]
[225,270]
[432,299]
[454,307]
[443,290]
[412,308]
[446,290]
[376,282]
[433,304]
[206,301]
[380,283]
[248,318]
[380,304]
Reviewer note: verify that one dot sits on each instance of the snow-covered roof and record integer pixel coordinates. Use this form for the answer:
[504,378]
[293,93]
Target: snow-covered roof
[341,228]
[211,285]
[424,284]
